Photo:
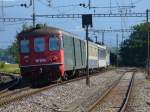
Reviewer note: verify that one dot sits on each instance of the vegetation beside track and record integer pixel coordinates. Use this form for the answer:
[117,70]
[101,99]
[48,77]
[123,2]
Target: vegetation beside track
[9,68]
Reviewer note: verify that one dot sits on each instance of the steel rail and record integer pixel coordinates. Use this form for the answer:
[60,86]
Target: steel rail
[28,92]
[12,84]
[15,80]
[125,101]
[127,96]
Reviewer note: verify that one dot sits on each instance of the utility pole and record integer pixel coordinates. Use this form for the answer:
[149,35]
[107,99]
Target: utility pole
[117,49]
[110,7]
[33,3]
[147,11]
[96,39]
[2,8]
[89,4]
[122,36]
[102,38]
[148,62]
[87,61]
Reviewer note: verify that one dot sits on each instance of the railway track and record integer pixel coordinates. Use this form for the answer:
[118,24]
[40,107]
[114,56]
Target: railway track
[14,83]
[115,99]
[15,80]
[10,87]
[11,96]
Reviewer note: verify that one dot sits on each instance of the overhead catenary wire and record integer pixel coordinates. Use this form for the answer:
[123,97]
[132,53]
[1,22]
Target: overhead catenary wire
[51,7]
[94,15]
[11,24]
[11,19]
[61,6]
[124,19]
[17,5]
[65,6]
[2,8]
[137,1]
[9,6]
[43,3]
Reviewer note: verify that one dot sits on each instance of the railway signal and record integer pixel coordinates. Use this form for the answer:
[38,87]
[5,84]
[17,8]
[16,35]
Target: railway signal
[86,22]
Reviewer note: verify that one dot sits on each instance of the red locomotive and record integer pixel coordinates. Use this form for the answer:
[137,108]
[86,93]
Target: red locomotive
[41,53]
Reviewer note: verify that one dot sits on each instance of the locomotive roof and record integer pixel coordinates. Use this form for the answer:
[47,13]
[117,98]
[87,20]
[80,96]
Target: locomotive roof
[43,32]
[35,32]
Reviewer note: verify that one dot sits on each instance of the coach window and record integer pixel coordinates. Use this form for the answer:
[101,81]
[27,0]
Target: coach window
[24,46]
[54,43]
[39,45]
[104,53]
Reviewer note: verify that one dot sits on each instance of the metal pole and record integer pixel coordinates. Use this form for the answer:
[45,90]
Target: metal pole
[147,15]
[110,7]
[89,4]
[148,62]
[117,50]
[102,38]
[87,61]
[33,12]
[96,39]
[122,36]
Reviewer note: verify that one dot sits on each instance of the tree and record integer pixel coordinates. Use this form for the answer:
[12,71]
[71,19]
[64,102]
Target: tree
[13,51]
[133,51]
[113,58]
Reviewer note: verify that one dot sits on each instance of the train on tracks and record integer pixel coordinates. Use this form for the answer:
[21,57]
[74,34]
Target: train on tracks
[50,53]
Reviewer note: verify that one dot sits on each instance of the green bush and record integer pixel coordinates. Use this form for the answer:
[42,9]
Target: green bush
[2,64]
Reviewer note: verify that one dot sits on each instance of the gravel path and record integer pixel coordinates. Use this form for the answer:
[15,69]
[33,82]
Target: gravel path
[140,96]
[58,98]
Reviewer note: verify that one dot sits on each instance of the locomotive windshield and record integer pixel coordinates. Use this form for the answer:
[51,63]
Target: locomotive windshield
[54,43]
[24,46]
[39,45]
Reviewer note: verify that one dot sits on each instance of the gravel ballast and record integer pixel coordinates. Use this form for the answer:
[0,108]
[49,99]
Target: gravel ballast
[140,95]
[60,97]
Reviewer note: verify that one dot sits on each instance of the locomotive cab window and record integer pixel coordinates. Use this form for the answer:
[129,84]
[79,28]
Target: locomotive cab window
[55,43]
[24,46]
[39,45]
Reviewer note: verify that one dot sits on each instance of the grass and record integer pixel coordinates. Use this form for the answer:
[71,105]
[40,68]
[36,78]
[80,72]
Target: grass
[9,68]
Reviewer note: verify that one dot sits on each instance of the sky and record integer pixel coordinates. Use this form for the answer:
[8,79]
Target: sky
[8,31]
